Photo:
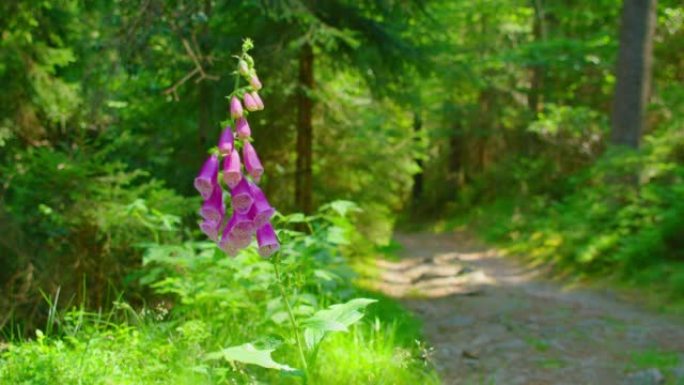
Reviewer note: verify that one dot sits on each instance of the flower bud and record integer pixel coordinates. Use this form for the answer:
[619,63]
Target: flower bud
[267,240]
[257,99]
[250,103]
[255,82]
[235,108]
[205,181]
[242,128]
[243,68]
[252,162]
[226,142]
[232,170]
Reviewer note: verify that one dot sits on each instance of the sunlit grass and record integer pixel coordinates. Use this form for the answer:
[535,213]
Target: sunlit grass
[370,354]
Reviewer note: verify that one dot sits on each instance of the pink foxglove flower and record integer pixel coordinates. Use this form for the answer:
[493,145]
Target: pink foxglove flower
[228,245]
[237,234]
[255,82]
[226,142]
[242,197]
[211,229]
[267,240]
[241,241]
[257,99]
[232,170]
[261,211]
[242,128]
[252,162]
[240,225]
[251,211]
[235,108]
[249,102]
[212,209]
[205,181]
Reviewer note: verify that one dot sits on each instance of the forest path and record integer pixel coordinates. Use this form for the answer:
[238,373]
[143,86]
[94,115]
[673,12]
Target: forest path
[493,321]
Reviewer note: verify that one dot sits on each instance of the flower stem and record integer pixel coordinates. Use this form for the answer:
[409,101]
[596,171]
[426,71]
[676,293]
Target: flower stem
[237,81]
[290,313]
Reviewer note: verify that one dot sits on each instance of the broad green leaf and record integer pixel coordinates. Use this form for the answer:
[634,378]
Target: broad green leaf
[249,354]
[336,235]
[342,207]
[335,318]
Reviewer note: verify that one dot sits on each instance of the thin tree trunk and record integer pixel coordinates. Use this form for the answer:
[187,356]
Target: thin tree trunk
[634,64]
[534,98]
[456,156]
[304,176]
[418,177]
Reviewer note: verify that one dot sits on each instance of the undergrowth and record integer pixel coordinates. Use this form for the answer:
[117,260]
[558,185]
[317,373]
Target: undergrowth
[605,221]
[205,301]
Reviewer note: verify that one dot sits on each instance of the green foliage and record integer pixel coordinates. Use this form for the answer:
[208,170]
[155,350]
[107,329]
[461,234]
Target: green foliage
[76,221]
[610,221]
[248,354]
[336,318]
[209,309]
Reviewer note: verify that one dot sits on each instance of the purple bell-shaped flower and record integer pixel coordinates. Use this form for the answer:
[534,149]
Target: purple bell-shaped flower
[267,240]
[252,162]
[232,170]
[242,197]
[226,142]
[205,181]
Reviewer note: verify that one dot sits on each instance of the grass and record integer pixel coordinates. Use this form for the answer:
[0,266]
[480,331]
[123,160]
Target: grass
[93,349]
[153,346]
[208,303]
[376,358]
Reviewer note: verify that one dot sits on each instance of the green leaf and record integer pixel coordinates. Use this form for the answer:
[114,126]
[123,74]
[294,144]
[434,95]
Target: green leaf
[295,218]
[342,207]
[337,236]
[335,318]
[249,354]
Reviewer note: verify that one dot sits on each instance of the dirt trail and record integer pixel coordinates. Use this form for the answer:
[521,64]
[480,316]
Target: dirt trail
[493,321]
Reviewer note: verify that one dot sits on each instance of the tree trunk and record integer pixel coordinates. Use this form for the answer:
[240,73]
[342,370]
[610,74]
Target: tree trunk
[456,156]
[304,176]
[635,57]
[418,177]
[534,97]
